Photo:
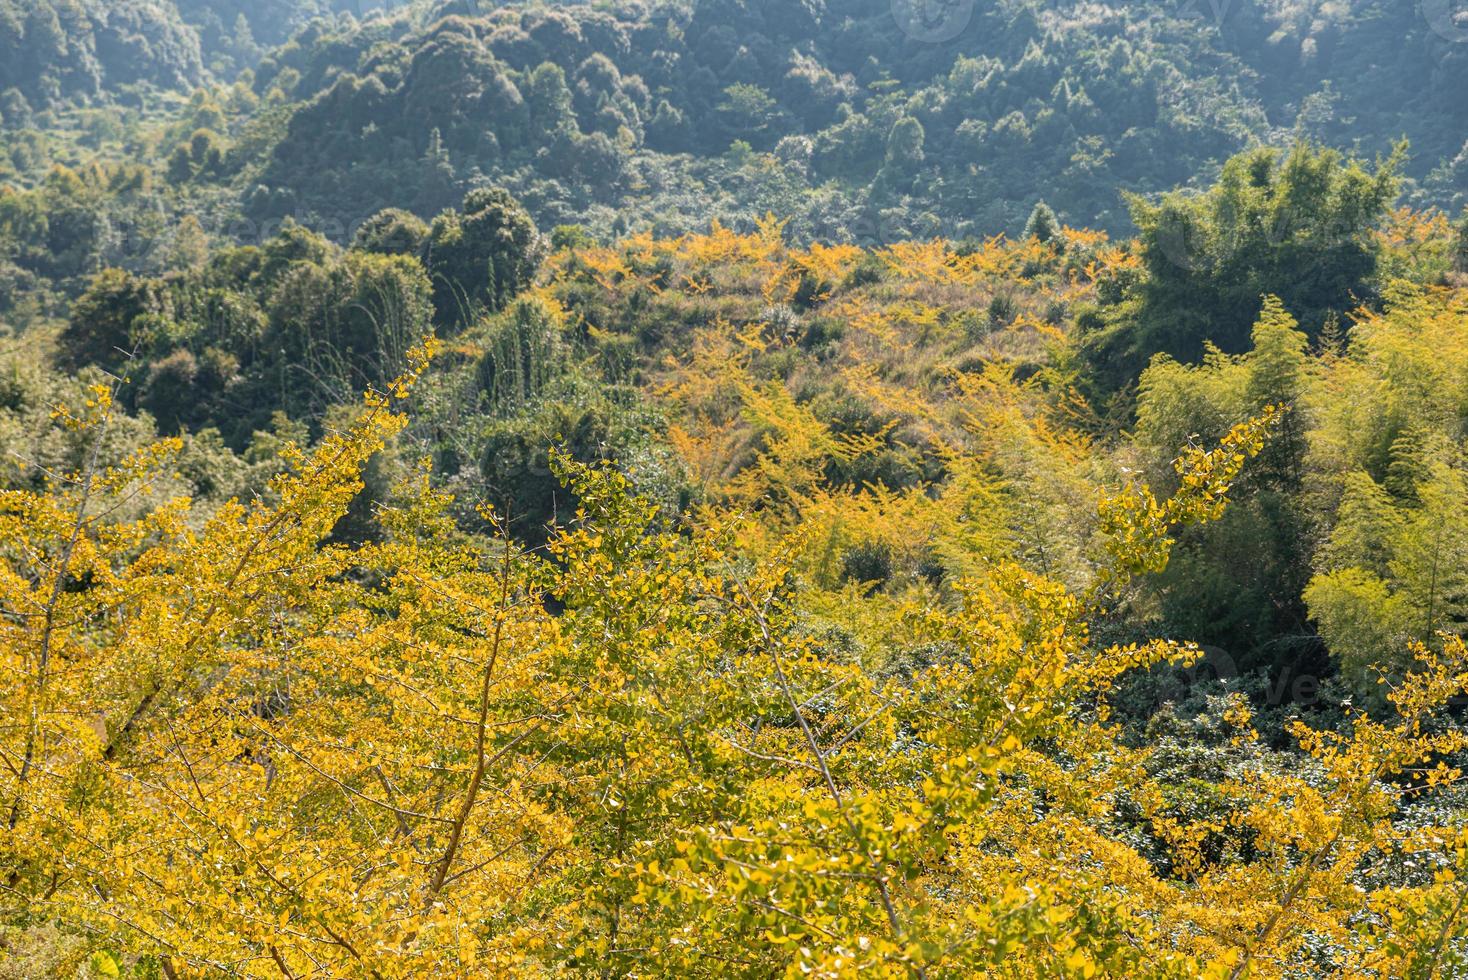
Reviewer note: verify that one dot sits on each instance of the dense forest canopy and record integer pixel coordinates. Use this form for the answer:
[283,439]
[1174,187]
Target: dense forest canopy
[733,488]
[855,119]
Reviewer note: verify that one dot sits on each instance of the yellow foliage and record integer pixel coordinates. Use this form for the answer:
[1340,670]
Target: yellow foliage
[248,750]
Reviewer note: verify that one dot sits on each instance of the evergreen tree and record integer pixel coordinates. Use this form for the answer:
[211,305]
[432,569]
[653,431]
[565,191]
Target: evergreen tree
[523,356]
[1236,583]
[392,232]
[101,330]
[1396,573]
[1042,225]
[550,102]
[905,147]
[482,257]
[1276,376]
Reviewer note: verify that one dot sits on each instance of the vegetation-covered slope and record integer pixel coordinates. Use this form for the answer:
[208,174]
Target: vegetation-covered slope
[856,121]
[882,644]
[51,51]
[861,125]
[59,52]
[771,542]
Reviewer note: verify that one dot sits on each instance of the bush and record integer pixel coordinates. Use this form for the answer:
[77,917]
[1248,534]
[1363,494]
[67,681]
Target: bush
[1003,310]
[867,563]
[392,232]
[868,271]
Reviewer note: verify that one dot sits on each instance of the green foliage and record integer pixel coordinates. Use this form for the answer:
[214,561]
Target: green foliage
[1236,583]
[581,422]
[1394,572]
[570,237]
[750,108]
[202,156]
[392,232]
[103,326]
[584,115]
[51,50]
[1042,224]
[1298,226]
[482,257]
[524,354]
[36,442]
[294,326]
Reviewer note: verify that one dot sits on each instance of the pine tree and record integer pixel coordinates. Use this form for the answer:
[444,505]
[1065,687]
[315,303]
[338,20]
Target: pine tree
[1042,225]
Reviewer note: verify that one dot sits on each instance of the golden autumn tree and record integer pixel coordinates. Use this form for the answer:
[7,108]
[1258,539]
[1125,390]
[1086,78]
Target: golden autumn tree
[249,749]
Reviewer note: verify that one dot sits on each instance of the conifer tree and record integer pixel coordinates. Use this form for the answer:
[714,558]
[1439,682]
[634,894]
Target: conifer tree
[1042,224]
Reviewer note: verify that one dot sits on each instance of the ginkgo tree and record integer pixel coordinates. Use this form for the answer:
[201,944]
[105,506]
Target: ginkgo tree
[250,749]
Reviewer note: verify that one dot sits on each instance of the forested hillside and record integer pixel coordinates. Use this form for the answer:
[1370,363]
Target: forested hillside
[860,121]
[733,489]
[855,122]
[58,52]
